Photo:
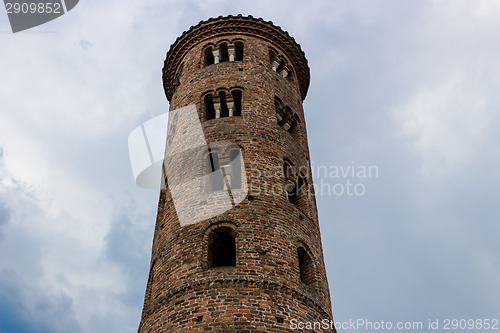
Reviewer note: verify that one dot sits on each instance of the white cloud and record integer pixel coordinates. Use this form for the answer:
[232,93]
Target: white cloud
[394,83]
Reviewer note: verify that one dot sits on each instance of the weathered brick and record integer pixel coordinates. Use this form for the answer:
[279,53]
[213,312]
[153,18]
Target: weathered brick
[264,290]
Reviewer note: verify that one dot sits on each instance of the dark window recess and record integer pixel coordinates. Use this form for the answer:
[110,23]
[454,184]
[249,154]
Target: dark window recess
[272,55]
[216,182]
[287,169]
[209,56]
[224,112]
[306,267]
[237,102]
[238,46]
[222,247]
[224,54]
[280,320]
[209,106]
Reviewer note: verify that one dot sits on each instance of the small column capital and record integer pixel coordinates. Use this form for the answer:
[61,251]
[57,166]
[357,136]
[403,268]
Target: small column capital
[275,65]
[216,54]
[231,53]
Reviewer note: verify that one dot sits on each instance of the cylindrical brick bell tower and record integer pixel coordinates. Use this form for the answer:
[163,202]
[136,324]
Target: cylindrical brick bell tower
[237,245]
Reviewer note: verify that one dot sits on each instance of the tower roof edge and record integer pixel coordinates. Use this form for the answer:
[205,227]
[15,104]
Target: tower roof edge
[247,25]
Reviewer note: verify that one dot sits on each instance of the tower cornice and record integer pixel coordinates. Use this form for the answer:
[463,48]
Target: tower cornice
[245,25]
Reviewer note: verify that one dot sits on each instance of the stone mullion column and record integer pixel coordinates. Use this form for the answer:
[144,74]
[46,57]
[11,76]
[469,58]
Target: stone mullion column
[216,54]
[231,54]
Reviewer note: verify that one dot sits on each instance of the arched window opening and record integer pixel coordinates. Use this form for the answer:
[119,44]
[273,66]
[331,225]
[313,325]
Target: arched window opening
[216,182]
[272,55]
[306,267]
[224,111]
[209,106]
[238,46]
[209,56]
[237,102]
[224,54]
[235,160]
[221,247]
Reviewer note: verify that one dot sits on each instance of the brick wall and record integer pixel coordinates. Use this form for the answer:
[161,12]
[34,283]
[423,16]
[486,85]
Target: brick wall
[264,290]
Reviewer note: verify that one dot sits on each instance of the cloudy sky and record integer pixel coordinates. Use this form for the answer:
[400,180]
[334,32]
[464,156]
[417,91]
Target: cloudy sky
[409,87]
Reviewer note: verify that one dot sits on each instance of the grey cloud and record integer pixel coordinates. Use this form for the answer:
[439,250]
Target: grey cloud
[128,246]
[43,312]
